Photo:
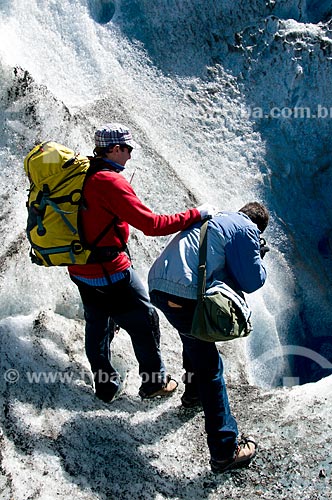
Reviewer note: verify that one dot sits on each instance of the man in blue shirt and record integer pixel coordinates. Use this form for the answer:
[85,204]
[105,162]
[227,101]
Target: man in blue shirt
[234,256]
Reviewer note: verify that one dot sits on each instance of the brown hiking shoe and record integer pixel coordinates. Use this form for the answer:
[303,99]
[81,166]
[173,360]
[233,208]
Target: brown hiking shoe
[242,457]
[166,390]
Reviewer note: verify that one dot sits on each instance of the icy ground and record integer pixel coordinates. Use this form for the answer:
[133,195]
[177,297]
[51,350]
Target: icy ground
[59,442]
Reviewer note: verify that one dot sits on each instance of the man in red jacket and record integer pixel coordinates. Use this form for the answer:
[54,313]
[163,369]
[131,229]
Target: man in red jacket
[111,290]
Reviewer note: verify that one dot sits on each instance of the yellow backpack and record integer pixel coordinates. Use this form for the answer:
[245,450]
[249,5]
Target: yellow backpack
[56,176]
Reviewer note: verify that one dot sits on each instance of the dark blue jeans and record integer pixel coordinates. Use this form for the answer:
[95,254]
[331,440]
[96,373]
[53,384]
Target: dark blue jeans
[203,360]
[127,304]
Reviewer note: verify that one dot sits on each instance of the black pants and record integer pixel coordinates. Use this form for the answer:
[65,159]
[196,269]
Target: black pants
[127,304]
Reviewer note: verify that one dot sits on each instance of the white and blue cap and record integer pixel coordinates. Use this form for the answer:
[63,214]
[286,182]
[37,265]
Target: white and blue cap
[114,133]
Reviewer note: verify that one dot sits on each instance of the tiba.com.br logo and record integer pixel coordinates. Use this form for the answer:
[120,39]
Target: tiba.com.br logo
[293,350]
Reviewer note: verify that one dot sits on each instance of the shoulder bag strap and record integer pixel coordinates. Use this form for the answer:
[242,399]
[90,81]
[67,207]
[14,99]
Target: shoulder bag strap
[201,283]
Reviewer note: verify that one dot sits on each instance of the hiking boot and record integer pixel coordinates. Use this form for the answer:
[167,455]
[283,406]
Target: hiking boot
[244,453]
[166,390]
[111,390]
[107,394]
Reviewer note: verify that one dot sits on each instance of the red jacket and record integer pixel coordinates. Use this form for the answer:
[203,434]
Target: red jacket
[107,194]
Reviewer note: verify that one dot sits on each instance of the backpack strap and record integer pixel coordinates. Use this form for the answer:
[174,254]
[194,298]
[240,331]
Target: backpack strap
[107,253]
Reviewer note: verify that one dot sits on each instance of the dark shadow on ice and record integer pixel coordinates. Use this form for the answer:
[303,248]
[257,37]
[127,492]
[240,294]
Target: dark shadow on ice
[102,11]
[114,458]
[325,245]
[115,454]
[31,373]
[21,357]
[205,33]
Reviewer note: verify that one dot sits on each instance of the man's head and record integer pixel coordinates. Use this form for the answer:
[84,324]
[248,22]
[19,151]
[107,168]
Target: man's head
[258,213]
[114,141]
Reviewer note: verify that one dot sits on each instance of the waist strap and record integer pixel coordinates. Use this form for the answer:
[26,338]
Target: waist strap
[104,254]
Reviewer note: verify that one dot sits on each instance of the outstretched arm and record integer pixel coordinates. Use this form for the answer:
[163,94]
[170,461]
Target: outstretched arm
[128,207]
[243,260]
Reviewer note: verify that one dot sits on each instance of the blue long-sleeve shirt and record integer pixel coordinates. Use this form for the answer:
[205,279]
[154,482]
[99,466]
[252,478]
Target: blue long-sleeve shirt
[233,256]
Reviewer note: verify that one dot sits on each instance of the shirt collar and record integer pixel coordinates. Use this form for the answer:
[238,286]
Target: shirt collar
[115,165]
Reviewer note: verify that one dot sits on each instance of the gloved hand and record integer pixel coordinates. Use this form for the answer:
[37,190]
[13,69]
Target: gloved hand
[207,211]
[263,247]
